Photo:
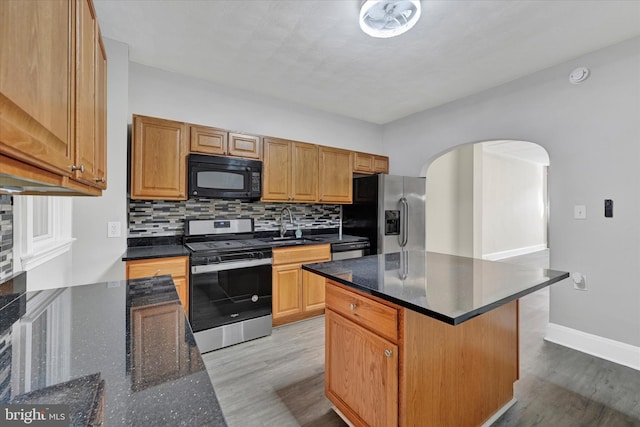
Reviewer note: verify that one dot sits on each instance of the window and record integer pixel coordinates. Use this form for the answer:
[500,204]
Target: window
[42,229]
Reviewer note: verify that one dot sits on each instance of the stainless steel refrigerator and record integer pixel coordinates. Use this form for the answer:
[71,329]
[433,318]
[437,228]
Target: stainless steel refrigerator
[389,210]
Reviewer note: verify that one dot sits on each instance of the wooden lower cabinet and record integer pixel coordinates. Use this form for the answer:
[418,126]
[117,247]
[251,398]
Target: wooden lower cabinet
[427,373]
[361,376]
[177,267]
[297,294]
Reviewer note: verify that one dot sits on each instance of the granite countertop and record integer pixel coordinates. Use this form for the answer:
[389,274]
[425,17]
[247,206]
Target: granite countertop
[171,246]
[121,353]
[449,288]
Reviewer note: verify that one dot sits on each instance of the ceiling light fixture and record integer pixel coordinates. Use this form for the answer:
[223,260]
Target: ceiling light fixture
[388,18]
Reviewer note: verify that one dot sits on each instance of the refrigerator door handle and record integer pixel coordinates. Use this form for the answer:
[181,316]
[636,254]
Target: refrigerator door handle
[404,222]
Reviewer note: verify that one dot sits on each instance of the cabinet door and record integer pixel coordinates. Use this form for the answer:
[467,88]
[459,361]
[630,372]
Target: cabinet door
[207,140]
[177,267]
[276,170]
[380,164]
[85,91]
[335,176]
[362,162]
[361,372]
[312,291]
[304,164]
[158,159]
[101,115]
[36,83]
[248,146]
[287,291]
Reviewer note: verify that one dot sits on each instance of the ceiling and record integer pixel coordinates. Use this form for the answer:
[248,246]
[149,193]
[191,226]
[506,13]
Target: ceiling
[313,52]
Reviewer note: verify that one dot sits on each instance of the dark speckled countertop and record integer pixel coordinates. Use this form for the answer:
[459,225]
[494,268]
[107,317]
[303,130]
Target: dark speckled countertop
[121,353]
[446,287]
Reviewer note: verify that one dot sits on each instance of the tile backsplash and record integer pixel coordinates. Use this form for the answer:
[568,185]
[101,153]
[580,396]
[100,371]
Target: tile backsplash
[6,236]
[167,218]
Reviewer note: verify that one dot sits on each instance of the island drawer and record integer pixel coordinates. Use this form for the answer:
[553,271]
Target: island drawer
[375,316]
[176,267]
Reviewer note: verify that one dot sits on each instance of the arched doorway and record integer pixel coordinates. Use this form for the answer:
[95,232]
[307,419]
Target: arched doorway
[488,200]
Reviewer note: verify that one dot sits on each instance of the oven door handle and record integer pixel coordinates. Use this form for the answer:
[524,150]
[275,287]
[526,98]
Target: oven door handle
[209,268]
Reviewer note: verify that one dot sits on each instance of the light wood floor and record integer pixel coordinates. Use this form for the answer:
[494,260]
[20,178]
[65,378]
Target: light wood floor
[278,380]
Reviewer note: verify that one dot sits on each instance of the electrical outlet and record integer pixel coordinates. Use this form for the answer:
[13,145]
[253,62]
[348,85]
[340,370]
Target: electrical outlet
[113,229]
[580,212]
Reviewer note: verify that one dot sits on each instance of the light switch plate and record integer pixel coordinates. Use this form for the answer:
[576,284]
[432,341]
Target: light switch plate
[580,212]
[113,229]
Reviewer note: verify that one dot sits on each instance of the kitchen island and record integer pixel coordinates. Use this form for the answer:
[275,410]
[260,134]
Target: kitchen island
[116,354]
[422,338]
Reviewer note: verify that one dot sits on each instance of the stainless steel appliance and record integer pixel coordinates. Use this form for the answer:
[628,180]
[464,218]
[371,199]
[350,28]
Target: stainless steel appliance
[230,282]
[224,177]
[389,210]
[349,247]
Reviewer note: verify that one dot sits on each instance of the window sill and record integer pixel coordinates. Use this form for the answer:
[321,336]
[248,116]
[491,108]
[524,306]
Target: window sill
[45,254]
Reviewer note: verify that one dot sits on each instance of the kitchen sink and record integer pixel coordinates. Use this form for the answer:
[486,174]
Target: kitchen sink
[286,240]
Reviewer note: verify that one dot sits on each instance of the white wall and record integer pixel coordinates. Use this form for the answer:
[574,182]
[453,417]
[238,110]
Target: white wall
[160,93]
[514,215]
[592,134]
[97,258]
[450,207]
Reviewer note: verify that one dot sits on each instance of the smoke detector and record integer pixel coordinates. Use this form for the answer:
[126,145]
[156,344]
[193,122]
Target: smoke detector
[579,75]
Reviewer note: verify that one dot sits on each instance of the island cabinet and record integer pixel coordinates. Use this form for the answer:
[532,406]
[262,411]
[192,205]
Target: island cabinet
[387,365]
[289,171]
[177,267]
[158,159]
[210,140]
[52,97]
[297,294]
[334,175]
[366,163]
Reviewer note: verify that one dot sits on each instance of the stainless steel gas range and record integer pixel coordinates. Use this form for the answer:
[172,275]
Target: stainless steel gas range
[230,282]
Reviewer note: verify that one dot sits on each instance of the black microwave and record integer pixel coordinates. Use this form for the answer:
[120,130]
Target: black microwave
[222,177]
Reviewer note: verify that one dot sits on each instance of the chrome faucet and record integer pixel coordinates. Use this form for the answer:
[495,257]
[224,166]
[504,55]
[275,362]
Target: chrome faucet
[283,225]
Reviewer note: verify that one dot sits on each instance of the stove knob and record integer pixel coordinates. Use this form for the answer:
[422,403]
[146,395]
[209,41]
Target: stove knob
[254,298]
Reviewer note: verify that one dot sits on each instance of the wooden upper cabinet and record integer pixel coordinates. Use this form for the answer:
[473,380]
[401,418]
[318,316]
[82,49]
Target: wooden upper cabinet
[304,182]
[380,164]
[289,171]
[86,47]
[52,92]
[241,145]
[100,163]
[276,170]
[335,175]
[209,140]
[158,159]
[370,163]
[36,83]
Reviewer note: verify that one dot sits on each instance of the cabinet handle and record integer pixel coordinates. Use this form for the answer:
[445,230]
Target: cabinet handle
[100,180]
[352,306]
[75,168]
[157,272]
[388,353]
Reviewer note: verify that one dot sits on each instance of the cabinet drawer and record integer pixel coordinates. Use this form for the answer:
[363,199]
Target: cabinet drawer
[302,254]
[371,314]
[176,266]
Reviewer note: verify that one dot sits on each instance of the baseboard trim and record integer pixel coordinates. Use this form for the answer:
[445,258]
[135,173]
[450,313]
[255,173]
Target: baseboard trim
[604,348]
[499,413]
[495,256]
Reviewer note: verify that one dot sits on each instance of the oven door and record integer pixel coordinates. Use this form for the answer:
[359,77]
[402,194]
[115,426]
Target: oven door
[230,292]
